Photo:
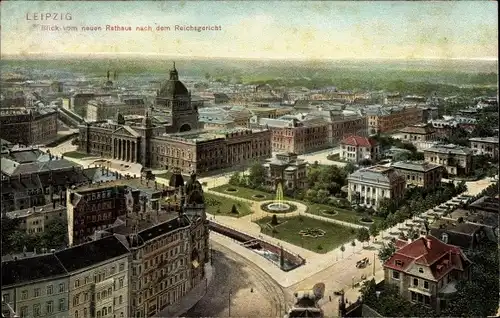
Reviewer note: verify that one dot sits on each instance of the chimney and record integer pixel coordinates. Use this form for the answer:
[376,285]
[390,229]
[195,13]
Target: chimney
[429,245]
[53,204]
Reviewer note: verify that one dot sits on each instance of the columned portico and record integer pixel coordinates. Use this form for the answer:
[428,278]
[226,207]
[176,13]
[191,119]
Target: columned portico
[124,150]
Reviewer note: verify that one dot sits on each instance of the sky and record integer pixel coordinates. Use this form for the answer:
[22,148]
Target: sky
[264,30]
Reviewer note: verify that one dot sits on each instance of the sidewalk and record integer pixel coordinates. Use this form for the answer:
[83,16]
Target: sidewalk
[191,298]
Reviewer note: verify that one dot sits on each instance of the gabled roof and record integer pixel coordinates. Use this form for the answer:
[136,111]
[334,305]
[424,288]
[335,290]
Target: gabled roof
[428,252]
[359,141]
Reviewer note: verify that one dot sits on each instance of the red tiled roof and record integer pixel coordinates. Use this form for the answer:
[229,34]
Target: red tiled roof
[358,141]
[427,251]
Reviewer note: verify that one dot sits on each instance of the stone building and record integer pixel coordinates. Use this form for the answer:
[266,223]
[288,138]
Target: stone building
[98,278]
[35,219]
[418,133]
[103,108]
[427,271]
[457,160]
[180,144]
[387,119]
[287,169]
[28,126]
[487,146]
[356,148]
[368,186]
[420,173]
[35,287]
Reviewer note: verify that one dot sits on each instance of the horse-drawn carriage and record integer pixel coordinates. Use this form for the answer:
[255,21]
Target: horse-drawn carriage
[362,263]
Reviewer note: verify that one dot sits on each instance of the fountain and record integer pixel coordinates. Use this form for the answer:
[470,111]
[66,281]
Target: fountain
[278,205]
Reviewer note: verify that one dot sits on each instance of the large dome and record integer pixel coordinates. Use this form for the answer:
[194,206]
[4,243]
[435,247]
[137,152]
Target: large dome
[173,87]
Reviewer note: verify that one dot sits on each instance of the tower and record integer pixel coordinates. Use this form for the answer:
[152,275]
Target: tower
[146,141]
[174,96]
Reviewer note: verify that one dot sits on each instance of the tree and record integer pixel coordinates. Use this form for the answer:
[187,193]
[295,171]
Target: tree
[349,168]
[365,162]
[234,210]
[374,229]
[9,226]
[257,176]
[353,244]
[342,249]
[235,179]
[363,235]
[386,251]
[274,220]
[55,235]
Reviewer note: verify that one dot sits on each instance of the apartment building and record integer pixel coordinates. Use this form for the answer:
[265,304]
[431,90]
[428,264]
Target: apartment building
[106,107]
[98,278]
[356,148]
[36,286]
[35,219]
[420,173]
[28,126]
[457,160]
[427,270]
[368,186]
[487,146]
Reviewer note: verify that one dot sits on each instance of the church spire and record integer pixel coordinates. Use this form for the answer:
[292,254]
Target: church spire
[174,76]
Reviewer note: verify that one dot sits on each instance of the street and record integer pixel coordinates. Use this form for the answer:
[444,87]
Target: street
[238,282]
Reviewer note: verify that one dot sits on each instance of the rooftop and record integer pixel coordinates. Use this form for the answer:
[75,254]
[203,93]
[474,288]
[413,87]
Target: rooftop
[487,204]
[30,269]
[450,149]
[358,141]
[420,166]
[91,253]
[492,140]
[375,174]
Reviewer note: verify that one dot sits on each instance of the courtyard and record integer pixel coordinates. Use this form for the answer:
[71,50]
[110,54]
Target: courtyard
[218,205]
[76,154]
[245,193]
[314,235]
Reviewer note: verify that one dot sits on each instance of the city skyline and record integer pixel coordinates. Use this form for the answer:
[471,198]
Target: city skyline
[260,30]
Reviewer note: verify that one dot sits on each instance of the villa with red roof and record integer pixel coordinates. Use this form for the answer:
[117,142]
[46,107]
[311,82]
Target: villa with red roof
[426,270]
[356,148]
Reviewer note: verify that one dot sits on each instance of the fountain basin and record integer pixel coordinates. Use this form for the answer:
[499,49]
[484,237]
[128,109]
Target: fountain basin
[278,207]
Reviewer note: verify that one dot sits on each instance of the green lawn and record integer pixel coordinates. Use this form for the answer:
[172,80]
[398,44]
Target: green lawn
[218,205]
[76,154]
[335,234]
[313,208]
[244,193]
[342,214]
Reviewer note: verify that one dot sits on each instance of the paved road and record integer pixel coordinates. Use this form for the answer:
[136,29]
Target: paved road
[253,292]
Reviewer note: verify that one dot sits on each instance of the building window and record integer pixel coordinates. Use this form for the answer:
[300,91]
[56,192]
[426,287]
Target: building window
[395,275]
[426,284]
[76,313]
[122,267]
[120,282]
[85,313]
[444,238]
[24,311]
[50,289]
[120,299]
[413,296]
[36,310]
[76,300]
[24,295]
[420,270]
[77,283]
[415,282]
[50,307]
[61,305]
[61,288]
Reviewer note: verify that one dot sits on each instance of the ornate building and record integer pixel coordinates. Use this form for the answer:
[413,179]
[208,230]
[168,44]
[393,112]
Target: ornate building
[180,143]
[28,126]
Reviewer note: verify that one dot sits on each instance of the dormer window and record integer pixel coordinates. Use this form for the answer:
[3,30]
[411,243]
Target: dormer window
[398,263]
[444,237]
[420,270]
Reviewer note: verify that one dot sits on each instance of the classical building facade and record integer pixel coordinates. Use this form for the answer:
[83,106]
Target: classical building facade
[177,145]
[487,146]
[356,148]
[287,169]
[420,173]
[427,270]
[368,186]
[457,160]
[28,126]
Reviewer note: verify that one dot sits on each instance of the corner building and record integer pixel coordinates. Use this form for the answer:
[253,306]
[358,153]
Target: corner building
[179,144]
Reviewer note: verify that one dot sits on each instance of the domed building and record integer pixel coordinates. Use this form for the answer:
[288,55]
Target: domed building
[177,144]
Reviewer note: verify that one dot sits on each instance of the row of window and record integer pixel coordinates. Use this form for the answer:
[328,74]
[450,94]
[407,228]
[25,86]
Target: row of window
[37,291]
[37,308]
[98,277]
